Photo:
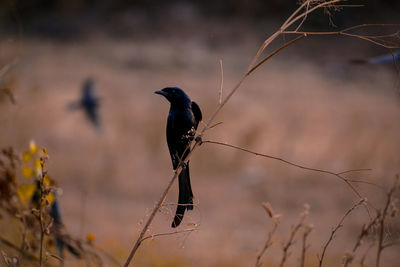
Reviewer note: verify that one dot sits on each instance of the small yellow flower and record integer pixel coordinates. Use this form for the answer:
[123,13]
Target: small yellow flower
[44,152]
[26,156]
[50,197]
[90,238]
[25,192]
[47,181]
[27,172]
[33,147]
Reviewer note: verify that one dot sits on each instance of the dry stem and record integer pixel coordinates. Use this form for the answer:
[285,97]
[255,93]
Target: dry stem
[307,231]
[289,163]
[339,225]
[293,233]
[41,222]
[382,220]
[268,243]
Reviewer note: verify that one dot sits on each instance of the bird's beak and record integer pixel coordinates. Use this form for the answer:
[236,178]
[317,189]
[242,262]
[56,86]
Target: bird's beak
[160,92]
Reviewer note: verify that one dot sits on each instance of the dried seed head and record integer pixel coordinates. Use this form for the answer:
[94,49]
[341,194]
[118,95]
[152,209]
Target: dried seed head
[268,209]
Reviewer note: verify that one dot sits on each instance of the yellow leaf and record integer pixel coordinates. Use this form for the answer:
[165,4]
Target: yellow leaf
[33,147]
[90,238]
[50,197]
[26,191]
[44,152]
[47,181]
[38,166]
[27,172]
[26,156]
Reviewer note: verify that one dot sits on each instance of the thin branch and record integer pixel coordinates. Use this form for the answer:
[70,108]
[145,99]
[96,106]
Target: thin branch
[237,86]
[307,6]
[151,217]
[377,40]
[378,221]
[222,82]
[41,222]
[170,233]
[293,233]
[307,231]
[366,182]
[268,242]
[215,125]
[382,220]
[159,203]
[355,170]
[338,226]
[289,163]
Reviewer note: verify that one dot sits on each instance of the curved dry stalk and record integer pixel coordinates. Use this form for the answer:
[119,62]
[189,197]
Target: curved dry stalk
[377,222]
[293,18]
[268,242]
[382,220]
[293,233]
[344,179]
[160,202]
[170,233]
[339,225]
[375,39]
[355,170]
[304,246]
[151,217]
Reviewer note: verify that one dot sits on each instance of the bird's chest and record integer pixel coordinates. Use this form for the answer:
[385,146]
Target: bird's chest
[179,123]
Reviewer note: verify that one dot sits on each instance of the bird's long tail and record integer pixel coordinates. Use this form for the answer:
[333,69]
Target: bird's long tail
[185,200]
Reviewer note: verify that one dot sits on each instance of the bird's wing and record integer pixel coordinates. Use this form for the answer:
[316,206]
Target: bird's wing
[389,58]
[197,113]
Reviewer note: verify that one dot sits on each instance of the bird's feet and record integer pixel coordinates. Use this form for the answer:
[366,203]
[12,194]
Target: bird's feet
[199,140]
[190,134]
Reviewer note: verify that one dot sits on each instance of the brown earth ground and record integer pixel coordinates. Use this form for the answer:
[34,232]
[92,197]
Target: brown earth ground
[306,105]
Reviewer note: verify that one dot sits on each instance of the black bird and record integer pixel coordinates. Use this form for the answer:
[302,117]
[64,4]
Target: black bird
[89,102]
[183,118]
[384,59]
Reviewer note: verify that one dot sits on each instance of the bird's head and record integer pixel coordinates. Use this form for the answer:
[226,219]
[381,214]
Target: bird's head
[176,96]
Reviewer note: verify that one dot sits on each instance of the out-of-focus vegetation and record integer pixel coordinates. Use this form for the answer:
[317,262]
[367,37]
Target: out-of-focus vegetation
[33,232]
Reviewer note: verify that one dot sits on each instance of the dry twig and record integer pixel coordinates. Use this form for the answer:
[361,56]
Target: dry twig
[293,233]
[337,227]
[307,230]
[268,243]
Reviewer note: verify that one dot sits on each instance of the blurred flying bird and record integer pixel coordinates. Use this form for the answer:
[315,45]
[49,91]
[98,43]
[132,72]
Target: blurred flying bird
[183,118]
[89,102]
[384,59]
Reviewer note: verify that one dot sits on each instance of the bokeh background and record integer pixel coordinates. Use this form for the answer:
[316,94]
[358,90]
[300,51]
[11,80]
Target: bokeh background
[307,105]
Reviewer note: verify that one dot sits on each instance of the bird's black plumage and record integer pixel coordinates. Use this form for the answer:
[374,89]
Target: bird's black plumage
[89,102]
[183,118]
[383,59]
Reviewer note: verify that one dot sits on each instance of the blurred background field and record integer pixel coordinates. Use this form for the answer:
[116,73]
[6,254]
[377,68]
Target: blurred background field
[307,105]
